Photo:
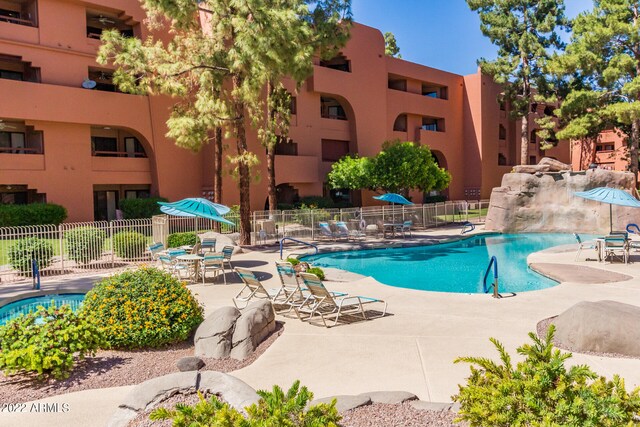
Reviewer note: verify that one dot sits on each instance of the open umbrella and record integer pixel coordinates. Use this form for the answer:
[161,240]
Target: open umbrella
[393,198]
[199,207]
[612,196]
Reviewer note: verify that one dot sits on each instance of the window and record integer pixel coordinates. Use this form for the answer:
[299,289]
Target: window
[137,194]
[548,111]
[20,195]
[13,68]
[605,147]
[98,21]
[432,124]
[104,146]
[534,137]
[20,139]
[398,84]
[502,132]
[533,160]
[503,105]
[434,91]
[293,105]
[333,150]
[502,160]
[331,109]
[103,79]
[340,63]
[133,147]
[400,125]
[287,149]
[21,12]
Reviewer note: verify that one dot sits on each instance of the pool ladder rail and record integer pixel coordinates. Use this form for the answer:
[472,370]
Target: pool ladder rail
[492,263]
[297,241]
[467,230]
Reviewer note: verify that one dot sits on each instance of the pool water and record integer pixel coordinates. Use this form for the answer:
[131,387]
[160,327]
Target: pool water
[452,267]
[24,306]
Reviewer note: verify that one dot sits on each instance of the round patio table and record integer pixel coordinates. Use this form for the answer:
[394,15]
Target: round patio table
[195,260]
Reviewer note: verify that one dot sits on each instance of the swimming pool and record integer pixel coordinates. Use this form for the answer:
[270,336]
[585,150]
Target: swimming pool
[452,267]
[24,306]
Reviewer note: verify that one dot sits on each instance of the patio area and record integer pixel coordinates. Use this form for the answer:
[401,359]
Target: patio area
[411,349]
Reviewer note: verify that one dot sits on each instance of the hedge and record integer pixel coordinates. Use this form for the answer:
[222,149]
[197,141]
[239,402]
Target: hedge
[141,208]
[32,214]
[176,240]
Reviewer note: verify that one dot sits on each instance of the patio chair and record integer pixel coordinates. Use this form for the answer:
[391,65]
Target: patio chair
[208,244]
[196,249]
[176,252]
[155,249]
[583,245]
[616,246]
[381,229]
[406,228]
[323,303]
[174,267]
[213,262]
[253,289]
[227,251]
[325,231]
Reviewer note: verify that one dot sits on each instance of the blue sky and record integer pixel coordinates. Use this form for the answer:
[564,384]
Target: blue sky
[442,34]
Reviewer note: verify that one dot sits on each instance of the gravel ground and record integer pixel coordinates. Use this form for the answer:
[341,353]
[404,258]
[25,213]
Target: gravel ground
[542,327]
[119,368]
[401,415]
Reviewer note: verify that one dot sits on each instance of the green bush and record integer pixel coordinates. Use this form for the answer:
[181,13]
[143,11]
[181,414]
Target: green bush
[317,271]
[176,240]
[275,408]
[316,202]
[49,347]
[129,244]
[21,253]
[293,261]
[32,214]
[141,208]
[85,244]
[541,391]
[303,216]
[143,308]
[434,199]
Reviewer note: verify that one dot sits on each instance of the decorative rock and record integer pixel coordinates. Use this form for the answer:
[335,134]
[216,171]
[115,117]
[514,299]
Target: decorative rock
[531,169]
[345,403]
[431,406]
[256,323]
[603,327]
[189,363]
[554,165]
[235,392]
[527,203]
[390,397]
[158,389]
[213,337]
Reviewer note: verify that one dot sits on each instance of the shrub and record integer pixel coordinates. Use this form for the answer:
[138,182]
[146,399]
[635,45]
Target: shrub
[129,244]
[317,271]
[84,244]
[434,199]
[316,202]
[143,308]
[49,347]
[21,253]
[293,261]
[304,215]
[542,391]
[275,408]
[141,208]
[31,214]
[176,240]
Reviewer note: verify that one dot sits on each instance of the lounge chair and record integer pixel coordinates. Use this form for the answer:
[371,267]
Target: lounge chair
[293,294]
[323,303]
[325,231]
[252,289]
[583,245]
[213,262]
[616,246]
[155,249]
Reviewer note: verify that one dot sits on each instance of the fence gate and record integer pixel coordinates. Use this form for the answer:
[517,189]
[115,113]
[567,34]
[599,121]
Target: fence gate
[160,227]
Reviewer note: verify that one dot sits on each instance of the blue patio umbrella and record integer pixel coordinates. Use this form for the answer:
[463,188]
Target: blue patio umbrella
[393,198]
[199,207]
[612,196]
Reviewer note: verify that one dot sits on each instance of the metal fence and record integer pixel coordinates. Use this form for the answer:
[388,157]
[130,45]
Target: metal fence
[93,246]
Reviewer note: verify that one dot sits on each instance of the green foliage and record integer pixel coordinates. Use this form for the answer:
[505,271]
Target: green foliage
[129,244]
[47,342]
[542,391]
[308,216]
[23,251]
[84,244]
[434,199]
[293,261]
[143,308]
[317,202]
[141,208]
[317,271]
[399,167]
[275,409]
[31,214]
[175,240]
[391,45]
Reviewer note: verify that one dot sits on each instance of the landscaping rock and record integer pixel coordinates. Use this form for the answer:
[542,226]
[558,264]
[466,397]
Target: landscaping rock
[235,392]
[255,324]
[160,388]
[213,337]
[390,397]
[432,406]
[601,327]
[189,363]
[531,169]
[554,165]
[345,403]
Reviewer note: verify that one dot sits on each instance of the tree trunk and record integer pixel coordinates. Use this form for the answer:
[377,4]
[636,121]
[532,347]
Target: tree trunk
[244,179]
[633,149]
[271,175]
[217,166]
[524,141]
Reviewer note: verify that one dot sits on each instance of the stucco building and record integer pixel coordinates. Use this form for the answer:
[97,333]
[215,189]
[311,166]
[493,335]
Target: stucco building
[68,136]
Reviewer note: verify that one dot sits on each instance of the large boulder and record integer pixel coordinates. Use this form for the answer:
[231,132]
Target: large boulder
[213,337]
[256,323]
[531,169]
[546,203]
[602,327]
[554,165]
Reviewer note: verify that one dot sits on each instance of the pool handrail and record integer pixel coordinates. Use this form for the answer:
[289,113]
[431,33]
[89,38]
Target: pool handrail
[298,241]
[630,226]
[492,263]
[464,228]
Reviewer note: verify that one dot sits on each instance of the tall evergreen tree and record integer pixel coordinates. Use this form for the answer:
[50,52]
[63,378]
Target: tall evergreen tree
[391,47]
[604,52]
[525,32]
[219,61]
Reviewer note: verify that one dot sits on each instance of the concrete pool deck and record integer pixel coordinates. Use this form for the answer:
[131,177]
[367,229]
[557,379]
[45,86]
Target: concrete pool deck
[412,349]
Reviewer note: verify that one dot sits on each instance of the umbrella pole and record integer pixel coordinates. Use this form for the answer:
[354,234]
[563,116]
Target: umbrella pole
[610,219]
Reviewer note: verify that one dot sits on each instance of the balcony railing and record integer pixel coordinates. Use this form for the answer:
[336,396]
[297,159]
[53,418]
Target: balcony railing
[20,150]
[118,154]
[14,20]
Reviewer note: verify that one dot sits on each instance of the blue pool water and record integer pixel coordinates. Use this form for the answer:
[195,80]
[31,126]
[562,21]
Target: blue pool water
[24,306]
[452,267]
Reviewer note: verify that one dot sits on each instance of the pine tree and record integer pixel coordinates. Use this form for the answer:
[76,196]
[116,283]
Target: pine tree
[525,31]
[221,56]
[604,51]
[391,45]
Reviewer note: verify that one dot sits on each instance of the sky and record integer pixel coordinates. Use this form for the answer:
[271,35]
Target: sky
[443,34]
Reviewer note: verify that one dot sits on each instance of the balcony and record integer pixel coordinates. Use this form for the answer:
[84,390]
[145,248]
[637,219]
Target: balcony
[435,140]
[98,21]
[121,164]
[19,12]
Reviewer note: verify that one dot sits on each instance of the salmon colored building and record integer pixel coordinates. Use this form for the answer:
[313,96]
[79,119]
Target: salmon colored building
[68,136]
[609,151]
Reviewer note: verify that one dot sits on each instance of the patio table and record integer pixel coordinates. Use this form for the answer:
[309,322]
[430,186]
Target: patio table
[193,259]
[391,226]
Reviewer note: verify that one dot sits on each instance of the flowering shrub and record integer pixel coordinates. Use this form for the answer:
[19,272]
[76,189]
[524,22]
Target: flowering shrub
[143,308]
[47,341]
[21,253]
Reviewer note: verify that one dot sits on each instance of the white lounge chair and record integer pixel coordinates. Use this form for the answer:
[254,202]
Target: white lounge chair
[583,245]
